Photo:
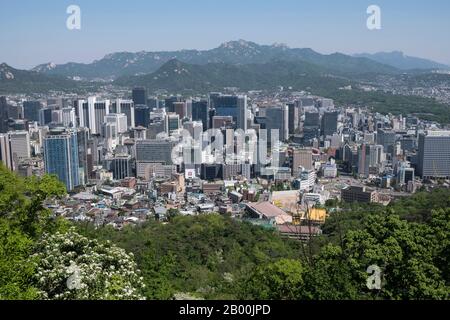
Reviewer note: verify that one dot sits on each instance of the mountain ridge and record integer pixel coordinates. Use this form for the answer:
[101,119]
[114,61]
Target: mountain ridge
[21,81]
[118,64]
[178,76]
[400,60]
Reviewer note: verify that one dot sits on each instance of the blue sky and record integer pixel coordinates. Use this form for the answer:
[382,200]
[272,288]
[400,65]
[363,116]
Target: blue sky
[34,32]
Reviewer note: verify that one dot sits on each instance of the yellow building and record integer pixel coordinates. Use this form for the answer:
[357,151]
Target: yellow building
[315,215]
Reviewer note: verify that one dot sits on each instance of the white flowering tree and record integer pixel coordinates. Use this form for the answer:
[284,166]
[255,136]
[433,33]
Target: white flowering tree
[72,267]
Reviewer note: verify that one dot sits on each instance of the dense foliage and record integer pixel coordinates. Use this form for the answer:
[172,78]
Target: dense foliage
[40,255]
[203,255]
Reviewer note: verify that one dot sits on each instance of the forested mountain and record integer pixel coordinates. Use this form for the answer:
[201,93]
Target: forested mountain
[234,52]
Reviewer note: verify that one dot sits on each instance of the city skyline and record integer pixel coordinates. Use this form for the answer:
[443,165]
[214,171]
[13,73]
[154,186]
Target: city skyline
[39,34]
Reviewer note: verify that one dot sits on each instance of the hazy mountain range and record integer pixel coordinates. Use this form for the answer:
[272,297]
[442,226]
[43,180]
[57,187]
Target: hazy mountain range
[401,61]
[242,64]
[22,81]
[234,52]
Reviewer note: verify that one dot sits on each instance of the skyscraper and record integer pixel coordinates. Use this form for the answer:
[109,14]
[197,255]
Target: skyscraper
[61,157]
[5,151]
[405,175]
[68,117]
[15,112]
[119,165]
[82,113]
[97,111]
[109,132]
[120,121]
[3,115]
[139,96]
[142,116]
[180,109]
[83,151]
[329,123]
[277,119]
[169,103]
[301,158]
[369,159]
[293,117]
[126,107]
[195,129]
[45,116]
[312,119]
[151,152]
[234,106]
[434,155]
[20,149]
[153,103]
[172,122]
[31,110]
[200,112]
[387,139]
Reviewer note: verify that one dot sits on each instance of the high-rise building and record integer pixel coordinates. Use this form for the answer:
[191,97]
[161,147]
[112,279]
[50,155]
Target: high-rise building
[434,155]
[234,106]
[57,116]
[119,165]
[83,151]
[120,121]
[312,119]
[126,107]
[31,110]
[301,159]
[172,123]
[189,108]
[91,114]
[169,103]
[139,96]
[61,157]
[180,108]
[5,151]
[200,112]
[142,116]
[15,111]
[68,117]
[408,143]
[45,116]
[157,151]
[82,113]
[3,115]
[150,152]
[310,134]
[222,122]
[405,175]
[293,117]
[277,118]
[153,103]
[369,159]
[155,128]
[97,111]
[329,123]
[195,129]
[20,149]
[387,139]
